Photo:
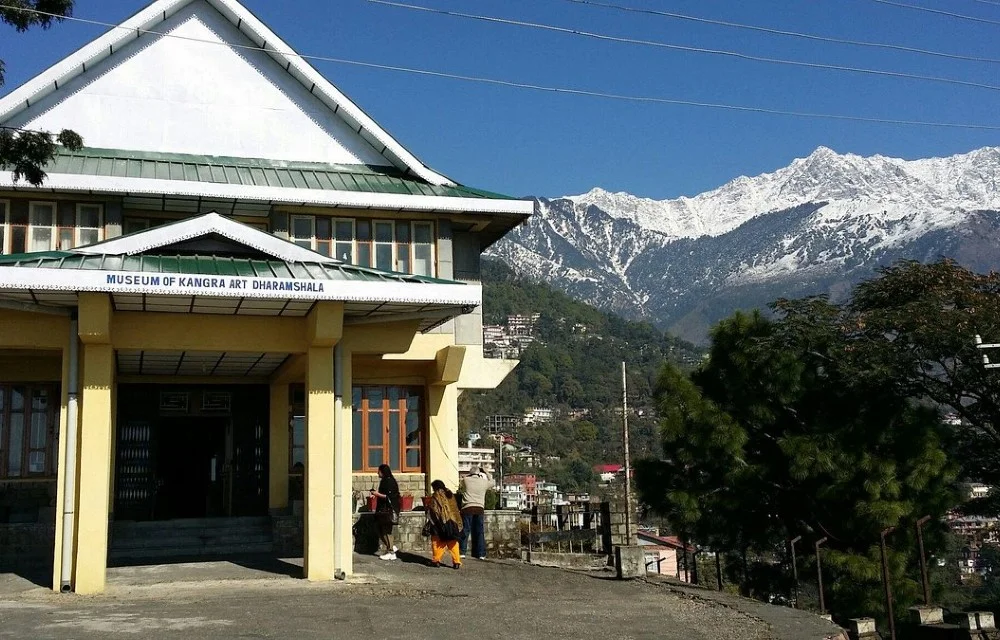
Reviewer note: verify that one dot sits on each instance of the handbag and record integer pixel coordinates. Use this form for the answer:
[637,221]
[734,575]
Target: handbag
[428,529]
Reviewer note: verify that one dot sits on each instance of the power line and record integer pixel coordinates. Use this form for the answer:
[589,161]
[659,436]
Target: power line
[542,88]
[792,34]
[689,49]
[992,2]
[917,7]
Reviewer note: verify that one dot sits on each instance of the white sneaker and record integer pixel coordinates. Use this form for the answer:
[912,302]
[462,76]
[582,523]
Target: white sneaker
[480,557]
[388,556]
[395,548]
[461,557]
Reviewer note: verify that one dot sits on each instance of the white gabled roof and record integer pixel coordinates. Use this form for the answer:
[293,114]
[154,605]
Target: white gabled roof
[200,226]
[355,121]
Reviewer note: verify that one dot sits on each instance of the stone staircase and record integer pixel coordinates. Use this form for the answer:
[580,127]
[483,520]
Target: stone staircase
[189,538]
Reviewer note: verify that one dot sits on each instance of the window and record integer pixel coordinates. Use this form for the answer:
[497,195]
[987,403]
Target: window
[388,428]
[89,224]
[27,430]
[402,246]
[4,221]
[41,226]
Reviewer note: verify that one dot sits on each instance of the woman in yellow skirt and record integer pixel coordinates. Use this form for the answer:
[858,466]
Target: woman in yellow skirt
[445,524]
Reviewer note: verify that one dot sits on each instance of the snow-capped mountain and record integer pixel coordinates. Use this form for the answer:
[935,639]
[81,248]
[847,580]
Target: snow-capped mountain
[816,226]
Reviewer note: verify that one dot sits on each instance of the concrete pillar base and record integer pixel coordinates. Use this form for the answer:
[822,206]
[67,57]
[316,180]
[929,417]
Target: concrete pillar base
[630,562]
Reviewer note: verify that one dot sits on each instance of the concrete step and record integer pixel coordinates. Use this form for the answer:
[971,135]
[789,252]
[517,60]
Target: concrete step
[191,523]
[193,540]
[209,532]
[216,550]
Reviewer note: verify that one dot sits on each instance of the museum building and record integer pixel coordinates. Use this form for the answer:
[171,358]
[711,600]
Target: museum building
[238,299]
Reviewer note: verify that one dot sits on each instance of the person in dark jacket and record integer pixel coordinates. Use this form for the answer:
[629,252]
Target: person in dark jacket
[386,510]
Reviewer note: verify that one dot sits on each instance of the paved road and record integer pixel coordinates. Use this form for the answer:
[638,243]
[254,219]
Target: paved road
[406,600]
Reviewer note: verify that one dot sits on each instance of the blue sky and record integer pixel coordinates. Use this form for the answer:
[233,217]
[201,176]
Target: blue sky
[527,143]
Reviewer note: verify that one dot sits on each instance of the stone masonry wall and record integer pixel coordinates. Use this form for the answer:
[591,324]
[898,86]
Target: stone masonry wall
[26,545]
[410,484]
[27,502]
[503,534]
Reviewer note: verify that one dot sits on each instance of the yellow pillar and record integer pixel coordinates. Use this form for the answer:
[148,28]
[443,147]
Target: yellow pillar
[318,557]
[61,470]
[278,466]
[324,327]
[343,508]
[94,483]
[442,439]
[442,412]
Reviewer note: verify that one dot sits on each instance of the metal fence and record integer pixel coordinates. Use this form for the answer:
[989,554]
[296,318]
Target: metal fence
[588,529]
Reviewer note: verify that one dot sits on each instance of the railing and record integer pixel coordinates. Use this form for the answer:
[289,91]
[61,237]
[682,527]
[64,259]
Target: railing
[583,529]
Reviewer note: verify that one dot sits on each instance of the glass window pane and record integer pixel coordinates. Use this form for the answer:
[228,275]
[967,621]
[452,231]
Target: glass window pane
[66,218]
[66,239]
[36,462]
[16,444]
[376,396]
[89,236]
[345,230]
[356,397]
[357,444]
[42,214]
[17,398]
[413,402]
[375,458]
[39,431]
[422,259]
[17,240]
[394,448]
[3,238]
[383,232]
[413,458]
[364,230]
[345,252]
[41,239]
[323,246]
[301,228]
[403,258]
[39,399]
[3,398]
[402,232]
[298,431]
[376,429]
[422,232]
[383,257]
[323,228]
[412,428]
[89,216]
[298,459]
[364,255]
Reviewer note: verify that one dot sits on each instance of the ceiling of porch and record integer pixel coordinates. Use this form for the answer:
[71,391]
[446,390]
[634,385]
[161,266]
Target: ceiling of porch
[198,363]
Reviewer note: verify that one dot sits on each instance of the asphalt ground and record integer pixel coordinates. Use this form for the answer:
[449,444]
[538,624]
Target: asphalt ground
[405,599]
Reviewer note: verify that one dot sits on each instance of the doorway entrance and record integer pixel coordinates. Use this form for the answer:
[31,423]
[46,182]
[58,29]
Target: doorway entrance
[191,452]
[198,486]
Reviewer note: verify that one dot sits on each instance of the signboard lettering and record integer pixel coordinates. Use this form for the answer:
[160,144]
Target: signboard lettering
[168,282]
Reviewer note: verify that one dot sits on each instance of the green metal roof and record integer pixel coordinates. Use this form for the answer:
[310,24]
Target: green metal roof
[258,172]
[210,265]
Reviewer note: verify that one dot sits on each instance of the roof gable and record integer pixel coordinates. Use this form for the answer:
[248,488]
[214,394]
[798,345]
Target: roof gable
[210,228]
[204,91]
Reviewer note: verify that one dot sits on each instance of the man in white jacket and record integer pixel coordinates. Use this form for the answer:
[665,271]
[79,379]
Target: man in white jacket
[473,488]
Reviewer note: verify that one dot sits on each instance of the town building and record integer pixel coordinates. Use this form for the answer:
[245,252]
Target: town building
[473,458]
[665,555]
[242,292]
[503,425]
[539,415]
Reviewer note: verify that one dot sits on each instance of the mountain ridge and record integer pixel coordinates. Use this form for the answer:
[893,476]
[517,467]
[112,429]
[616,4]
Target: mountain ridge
[816,226]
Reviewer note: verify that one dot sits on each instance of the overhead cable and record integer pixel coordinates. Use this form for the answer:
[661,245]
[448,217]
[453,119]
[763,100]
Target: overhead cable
[791,34]
[536,87]
[950,14]
[688,49]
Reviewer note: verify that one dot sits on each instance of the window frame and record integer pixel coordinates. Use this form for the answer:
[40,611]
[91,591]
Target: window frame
[51,447]
[372,244]
[53,226]
[387,456]
[100,222]
[5,227]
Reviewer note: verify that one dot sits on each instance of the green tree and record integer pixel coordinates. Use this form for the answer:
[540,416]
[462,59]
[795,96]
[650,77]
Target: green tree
[25,152]
[785,431]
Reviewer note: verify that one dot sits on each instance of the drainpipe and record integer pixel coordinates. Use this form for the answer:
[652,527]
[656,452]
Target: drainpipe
[338,428]
[69,475]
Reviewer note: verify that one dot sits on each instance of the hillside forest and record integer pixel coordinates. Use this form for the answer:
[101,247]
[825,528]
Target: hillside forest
[573,367]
